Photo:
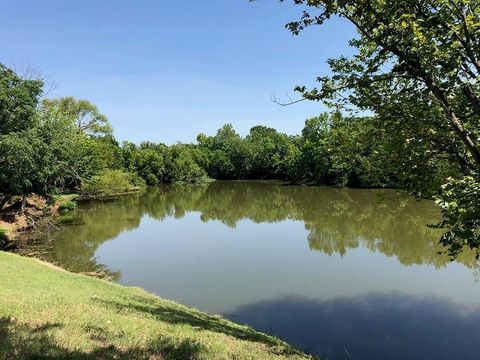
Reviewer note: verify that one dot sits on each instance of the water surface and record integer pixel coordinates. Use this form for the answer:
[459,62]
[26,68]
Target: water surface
[347,273]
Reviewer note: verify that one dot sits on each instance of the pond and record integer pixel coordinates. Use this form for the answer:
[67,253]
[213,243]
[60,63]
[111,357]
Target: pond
[346,273]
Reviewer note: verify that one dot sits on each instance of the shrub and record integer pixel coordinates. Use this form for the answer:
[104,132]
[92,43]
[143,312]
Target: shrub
[110,182]
[69,206]
[151,180]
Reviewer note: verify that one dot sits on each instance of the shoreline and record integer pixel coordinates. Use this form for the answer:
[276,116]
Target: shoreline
[46,311]
[39,213]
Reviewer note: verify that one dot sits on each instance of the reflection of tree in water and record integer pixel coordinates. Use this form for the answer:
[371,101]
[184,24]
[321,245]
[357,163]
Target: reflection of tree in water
[337,219]
[75,245]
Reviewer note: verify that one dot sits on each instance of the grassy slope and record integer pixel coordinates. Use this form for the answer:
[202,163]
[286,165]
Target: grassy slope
[46,312]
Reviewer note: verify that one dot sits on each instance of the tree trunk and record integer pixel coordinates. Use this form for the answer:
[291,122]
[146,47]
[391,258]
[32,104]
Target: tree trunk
[472,98]
[465,136]
[22,205]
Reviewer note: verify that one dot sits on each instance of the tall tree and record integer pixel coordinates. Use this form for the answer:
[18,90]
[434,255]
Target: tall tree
[83,114]
[18,101]
[427,49]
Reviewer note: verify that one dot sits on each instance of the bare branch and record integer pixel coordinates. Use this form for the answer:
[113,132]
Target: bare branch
[30,72]
[288,103]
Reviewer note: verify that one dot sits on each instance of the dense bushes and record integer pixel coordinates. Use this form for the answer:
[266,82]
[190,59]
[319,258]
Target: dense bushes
[110,182]
[181,165]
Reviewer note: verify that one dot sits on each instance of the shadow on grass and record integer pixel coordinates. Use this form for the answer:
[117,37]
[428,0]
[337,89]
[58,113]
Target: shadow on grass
[22,341]
[201,321]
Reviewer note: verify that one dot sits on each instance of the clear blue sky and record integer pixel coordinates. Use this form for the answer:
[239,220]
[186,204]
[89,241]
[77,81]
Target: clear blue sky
[165,71]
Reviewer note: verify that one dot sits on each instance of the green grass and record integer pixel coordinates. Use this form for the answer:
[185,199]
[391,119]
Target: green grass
[49,313]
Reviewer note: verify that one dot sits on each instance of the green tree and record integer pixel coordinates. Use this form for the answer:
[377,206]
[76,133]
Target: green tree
[181,165]
[21,168]
[460,205]
[83,114]
[229,155]
[271,153]
[109,152]
[18,101]
[313,162]
[150,165]
[426,48]
[148,161]
[74,155]
[20,149]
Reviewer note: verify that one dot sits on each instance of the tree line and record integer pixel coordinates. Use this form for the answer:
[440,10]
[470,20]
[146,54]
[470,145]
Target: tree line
[50,146]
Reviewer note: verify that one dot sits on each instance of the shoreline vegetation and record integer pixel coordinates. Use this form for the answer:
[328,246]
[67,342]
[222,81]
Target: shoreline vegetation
[64,145]
[48,312]
[37,213]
